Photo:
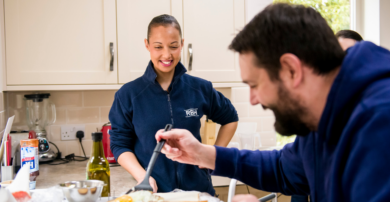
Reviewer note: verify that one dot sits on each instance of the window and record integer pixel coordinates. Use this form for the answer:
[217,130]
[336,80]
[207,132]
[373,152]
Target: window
[335,12]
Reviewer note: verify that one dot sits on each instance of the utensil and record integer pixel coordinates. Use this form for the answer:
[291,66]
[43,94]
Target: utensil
[157,150]
[5,138]
[86,190]
[8,150]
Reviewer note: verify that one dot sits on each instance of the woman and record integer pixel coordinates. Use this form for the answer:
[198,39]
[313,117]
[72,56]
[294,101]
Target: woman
[165,94]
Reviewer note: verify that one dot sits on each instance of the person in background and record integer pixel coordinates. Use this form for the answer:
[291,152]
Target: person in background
[337,102]
[166,95]
[348,38]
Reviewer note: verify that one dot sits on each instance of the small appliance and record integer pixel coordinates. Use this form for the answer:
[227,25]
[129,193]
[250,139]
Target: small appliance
[41,112]
[106,143]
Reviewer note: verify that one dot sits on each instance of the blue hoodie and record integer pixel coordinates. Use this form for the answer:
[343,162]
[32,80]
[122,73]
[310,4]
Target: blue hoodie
[142,107]
[348,158]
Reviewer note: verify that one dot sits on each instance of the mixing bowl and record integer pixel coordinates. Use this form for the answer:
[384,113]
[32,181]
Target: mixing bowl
[86,190]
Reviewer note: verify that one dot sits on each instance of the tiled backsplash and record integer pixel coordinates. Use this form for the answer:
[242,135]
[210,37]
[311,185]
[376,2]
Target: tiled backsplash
[247,113]
[91,108]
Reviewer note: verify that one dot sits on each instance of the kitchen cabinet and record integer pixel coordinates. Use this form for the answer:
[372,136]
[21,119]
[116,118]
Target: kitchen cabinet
[209,27]
[99,44]
[60,42]
[133,20]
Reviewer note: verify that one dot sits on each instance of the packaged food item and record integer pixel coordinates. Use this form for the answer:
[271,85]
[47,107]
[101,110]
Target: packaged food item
[29,155]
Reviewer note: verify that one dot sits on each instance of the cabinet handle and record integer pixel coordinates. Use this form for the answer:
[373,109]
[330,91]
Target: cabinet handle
[112,56]
[191,56]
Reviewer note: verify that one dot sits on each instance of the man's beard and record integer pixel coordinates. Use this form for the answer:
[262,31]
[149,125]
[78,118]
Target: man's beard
[288,115]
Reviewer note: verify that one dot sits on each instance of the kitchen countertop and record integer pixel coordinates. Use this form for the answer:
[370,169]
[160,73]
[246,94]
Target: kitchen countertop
[52,175]
[121,180]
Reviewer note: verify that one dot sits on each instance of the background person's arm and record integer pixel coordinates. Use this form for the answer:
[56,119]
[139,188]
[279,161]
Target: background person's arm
[225,134]
[123,138]
[221,111]
[130,163]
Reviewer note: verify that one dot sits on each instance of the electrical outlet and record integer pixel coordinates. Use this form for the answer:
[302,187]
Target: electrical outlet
[68,132]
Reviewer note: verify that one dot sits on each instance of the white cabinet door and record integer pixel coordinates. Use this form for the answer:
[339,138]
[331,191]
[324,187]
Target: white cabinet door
[133,20]
[210,26]
[60,41]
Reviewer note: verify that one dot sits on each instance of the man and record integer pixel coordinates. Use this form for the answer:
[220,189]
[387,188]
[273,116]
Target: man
[337,104]
[348,38]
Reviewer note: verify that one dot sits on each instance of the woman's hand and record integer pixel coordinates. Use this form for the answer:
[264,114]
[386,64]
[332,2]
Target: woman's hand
[245,198]
[183,147]
[152,183]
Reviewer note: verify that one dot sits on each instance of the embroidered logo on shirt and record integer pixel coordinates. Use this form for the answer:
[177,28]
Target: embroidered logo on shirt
[193,112]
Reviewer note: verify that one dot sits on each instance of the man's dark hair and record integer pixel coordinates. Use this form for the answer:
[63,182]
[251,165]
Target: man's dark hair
[163,20]
[349,34]
[283,28]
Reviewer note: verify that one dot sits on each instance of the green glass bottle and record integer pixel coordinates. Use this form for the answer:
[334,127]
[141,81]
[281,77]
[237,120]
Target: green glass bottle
[98,167]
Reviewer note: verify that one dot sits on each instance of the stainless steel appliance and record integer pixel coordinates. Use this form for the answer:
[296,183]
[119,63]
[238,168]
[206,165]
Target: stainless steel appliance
[41,112]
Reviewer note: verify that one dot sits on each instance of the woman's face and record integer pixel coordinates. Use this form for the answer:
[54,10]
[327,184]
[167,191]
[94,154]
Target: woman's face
[165,46]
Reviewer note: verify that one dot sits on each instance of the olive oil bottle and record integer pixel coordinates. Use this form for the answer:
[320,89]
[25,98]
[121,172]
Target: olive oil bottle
[98,167]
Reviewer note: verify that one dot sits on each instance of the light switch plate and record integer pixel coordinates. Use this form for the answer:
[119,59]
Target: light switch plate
[68,132]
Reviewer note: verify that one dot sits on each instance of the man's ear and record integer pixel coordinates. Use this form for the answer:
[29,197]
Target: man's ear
[291,71]
[146,44]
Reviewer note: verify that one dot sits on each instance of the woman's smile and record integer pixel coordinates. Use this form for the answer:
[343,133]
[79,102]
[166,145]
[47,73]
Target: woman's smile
[166,63]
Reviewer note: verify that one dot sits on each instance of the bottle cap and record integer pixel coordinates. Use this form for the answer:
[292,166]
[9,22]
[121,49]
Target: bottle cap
[97,136]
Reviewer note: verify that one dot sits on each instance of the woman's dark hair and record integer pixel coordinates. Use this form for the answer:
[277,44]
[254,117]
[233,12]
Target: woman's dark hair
[163,20]
[349,34]
[283,28]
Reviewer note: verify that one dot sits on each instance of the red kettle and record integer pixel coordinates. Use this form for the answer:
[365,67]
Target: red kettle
[106,143]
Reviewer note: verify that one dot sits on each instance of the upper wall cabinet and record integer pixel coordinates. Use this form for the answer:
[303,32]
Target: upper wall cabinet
[60,42]
[54,44]
[133,20]
[209,28]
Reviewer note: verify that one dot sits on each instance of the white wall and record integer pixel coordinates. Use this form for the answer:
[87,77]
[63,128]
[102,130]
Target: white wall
[373,21]
[384,23]
[253,7]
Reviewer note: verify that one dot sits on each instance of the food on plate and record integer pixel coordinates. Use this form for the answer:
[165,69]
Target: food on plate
[124,198]
[139,196]
[7,182]
[145,196]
